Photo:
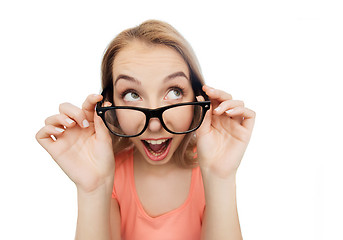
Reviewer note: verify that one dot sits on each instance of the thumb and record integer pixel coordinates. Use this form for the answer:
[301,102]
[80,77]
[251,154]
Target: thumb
[101,131]
[206,124]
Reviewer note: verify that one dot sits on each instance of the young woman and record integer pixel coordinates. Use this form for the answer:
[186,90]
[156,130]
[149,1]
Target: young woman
[155,160]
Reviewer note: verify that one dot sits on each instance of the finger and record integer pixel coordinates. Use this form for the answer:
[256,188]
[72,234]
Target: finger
[89,105]
[246,114]
[101,131]
[206,124]
[44,138]
[216,94]
[74,113]
[60,120]
[227,105]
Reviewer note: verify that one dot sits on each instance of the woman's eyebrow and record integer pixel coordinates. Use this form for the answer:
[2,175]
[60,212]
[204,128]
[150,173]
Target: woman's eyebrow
[132,79]
[128,78]
[175,75]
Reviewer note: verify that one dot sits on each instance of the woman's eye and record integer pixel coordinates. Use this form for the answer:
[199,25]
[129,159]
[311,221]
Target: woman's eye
[131,96]
[174,94]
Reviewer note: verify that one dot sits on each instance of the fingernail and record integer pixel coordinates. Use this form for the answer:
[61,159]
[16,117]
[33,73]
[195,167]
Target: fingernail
[229,111]
[70,121]
[218,109]
[85,123]
[53,138]
[59,129]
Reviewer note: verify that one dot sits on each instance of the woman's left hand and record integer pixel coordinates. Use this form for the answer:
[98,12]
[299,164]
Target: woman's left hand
[224,135]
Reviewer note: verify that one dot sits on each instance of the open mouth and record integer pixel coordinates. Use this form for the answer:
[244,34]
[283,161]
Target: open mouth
[157,150]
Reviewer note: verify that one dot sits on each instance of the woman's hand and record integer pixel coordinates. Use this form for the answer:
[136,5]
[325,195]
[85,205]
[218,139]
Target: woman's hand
[224,135]
[82,146]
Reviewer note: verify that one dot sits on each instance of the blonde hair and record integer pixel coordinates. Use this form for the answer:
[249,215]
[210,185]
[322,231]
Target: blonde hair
[158,33]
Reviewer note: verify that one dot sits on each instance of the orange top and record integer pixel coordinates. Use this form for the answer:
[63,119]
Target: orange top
[183,223]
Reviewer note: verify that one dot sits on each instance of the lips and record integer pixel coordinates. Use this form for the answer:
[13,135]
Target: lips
[157,149]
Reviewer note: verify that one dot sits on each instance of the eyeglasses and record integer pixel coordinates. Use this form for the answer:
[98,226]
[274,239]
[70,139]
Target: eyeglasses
[181,118]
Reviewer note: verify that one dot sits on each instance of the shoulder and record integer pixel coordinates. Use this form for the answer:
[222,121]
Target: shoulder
[122,173]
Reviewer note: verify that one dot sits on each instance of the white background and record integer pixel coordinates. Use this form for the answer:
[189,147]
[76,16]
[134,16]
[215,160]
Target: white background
[283,58]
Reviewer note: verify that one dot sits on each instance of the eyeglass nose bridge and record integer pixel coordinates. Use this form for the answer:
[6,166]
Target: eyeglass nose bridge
[155,113]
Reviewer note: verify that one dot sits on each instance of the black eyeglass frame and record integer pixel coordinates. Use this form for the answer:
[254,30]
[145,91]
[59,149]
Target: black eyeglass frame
[152,113]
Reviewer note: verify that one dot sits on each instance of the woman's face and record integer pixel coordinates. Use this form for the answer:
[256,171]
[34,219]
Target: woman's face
[152,76]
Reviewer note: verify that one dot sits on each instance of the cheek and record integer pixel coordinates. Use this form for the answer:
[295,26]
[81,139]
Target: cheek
[136,142]
[131,122]
[177,139]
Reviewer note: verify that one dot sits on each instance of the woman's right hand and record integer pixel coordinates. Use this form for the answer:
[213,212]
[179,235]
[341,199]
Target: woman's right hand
[83,146]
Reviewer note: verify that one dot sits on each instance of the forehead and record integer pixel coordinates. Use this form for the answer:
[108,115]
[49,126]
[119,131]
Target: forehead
[139,57]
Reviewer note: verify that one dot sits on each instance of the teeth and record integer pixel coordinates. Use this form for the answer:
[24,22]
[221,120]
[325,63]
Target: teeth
[155,154]
[156,141]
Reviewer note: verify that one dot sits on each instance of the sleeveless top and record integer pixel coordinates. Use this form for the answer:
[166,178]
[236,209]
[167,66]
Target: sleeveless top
[182,223]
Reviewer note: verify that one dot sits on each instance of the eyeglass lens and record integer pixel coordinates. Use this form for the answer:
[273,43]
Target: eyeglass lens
[131,122]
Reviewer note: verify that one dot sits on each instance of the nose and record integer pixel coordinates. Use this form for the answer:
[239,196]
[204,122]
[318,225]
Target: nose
[154,125]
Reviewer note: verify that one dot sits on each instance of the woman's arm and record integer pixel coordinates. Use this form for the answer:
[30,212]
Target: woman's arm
[98,215]
[222,141]
[115,220]
[93,220]
[220,217]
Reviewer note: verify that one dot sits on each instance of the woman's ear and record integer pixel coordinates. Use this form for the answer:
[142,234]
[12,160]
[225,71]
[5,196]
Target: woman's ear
[107,104]
[200,98]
